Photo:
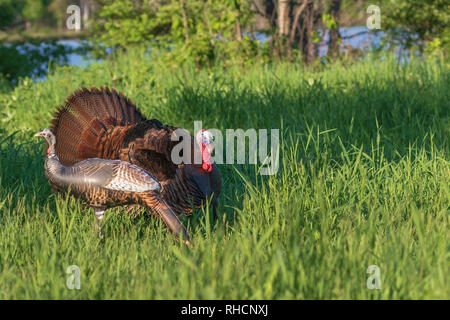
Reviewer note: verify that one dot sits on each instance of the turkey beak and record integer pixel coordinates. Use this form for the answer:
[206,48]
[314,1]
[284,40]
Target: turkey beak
[38,134]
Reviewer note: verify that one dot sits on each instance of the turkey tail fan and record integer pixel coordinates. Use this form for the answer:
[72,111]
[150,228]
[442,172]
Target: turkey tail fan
[85,117]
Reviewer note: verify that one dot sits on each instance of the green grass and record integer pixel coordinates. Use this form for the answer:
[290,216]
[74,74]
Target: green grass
[363,180]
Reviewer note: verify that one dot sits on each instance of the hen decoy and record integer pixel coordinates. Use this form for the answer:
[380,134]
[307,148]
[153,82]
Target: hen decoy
[100,123]
[108,183]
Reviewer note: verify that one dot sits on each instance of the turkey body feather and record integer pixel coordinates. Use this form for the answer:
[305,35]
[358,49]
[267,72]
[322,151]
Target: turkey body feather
[108,183]
[101,123]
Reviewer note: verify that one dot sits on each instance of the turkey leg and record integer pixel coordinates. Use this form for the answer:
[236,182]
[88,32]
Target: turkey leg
[99,213]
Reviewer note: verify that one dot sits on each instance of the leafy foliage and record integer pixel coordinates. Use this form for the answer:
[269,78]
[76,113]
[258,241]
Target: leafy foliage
[7,13]
[210,29]
[418,23]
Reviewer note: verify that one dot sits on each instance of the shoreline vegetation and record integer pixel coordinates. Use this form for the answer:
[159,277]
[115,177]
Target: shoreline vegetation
[42,29]
[42,36]
[215,33]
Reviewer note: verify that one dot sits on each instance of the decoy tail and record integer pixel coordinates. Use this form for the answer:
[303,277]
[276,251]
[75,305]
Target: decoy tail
[170,219]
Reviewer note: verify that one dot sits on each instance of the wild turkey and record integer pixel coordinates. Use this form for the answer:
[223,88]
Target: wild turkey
[108,183]
[100,123]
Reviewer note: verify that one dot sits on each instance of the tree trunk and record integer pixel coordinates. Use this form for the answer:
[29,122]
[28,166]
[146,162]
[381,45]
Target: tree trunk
[297,15]
[333,44]
[85,9]
[207,22]
[292,25]
[307,24]
[283,17]
[185,23]
[237,23]
[310,28]
[237,14]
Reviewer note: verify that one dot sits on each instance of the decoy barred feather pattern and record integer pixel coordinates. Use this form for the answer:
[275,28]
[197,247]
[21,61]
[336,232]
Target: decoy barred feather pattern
[108,183]
[101,123]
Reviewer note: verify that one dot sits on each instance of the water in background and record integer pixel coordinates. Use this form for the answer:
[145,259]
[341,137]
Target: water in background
[357,37]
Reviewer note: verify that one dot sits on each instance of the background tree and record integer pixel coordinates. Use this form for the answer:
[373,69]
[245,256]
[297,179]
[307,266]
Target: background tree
[7,13]
[33,10]
[204,30]
[292,26]
[418,23]
[333,26]
[226,31]
[58,9]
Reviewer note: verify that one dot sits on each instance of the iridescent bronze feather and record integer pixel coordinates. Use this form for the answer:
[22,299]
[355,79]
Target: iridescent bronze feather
[101,123]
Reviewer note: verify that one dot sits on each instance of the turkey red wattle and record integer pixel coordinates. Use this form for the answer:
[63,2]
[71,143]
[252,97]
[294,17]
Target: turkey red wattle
[206,157]
[205,140]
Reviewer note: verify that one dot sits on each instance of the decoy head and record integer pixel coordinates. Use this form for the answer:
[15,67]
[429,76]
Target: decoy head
[49,137]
